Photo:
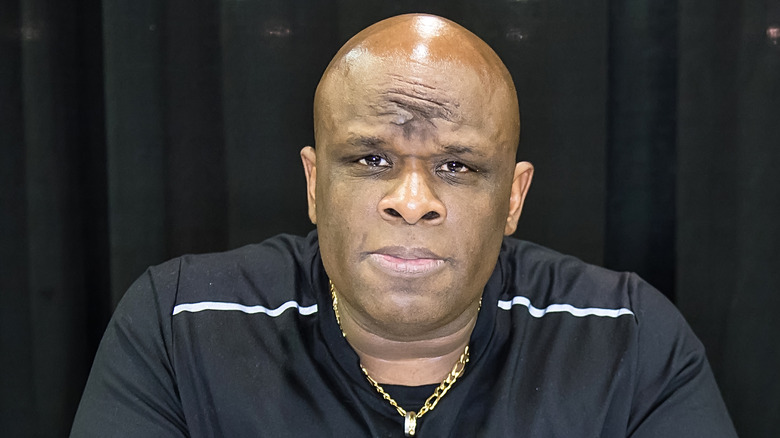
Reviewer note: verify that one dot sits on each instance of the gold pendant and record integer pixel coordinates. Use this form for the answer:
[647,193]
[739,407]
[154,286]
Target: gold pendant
[410,423]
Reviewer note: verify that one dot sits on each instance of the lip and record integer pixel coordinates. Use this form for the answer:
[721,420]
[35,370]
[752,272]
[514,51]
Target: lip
[399,260]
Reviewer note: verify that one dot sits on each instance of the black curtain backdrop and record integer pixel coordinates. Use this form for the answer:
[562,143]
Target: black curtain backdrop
[133,132]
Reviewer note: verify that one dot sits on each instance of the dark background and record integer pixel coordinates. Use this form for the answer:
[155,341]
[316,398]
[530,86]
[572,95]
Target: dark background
[135,131]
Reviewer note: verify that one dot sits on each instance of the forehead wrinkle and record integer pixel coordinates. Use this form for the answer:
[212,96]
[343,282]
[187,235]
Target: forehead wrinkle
[425,100]
[425,109]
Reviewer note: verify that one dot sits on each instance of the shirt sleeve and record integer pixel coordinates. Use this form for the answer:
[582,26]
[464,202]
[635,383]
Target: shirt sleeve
[675,393]
[131,390]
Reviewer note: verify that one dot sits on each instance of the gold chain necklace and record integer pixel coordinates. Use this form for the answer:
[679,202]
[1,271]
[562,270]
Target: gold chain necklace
[410,417]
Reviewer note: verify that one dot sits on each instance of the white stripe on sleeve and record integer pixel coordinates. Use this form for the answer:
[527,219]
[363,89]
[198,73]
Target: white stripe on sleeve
[553,308]
[218,305]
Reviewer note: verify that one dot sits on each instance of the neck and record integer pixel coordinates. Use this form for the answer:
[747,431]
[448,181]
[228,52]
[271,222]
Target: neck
[420,361]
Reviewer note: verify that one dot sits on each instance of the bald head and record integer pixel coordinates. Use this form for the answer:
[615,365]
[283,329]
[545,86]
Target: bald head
[420,67]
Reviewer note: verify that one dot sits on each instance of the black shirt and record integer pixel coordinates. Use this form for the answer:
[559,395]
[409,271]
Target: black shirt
[245,343]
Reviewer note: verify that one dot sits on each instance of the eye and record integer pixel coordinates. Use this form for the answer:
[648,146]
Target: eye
[454,167]
[374,161]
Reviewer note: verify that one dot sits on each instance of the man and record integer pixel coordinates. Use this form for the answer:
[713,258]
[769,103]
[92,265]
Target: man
[407,312]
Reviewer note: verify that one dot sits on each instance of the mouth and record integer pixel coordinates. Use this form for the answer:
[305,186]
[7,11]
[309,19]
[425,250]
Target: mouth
[399,260]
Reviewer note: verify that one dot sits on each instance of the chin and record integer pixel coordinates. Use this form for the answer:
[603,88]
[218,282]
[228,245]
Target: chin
[408,309]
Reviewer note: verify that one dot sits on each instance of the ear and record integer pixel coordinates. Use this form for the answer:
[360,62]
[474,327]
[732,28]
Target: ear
[524,172]
[309,159]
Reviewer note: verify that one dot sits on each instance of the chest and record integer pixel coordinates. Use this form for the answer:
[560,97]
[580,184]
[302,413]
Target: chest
[249,378]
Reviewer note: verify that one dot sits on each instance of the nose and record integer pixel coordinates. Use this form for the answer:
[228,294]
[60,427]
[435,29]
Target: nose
[412,200]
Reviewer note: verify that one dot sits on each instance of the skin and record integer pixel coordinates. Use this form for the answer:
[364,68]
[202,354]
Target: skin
[413,185]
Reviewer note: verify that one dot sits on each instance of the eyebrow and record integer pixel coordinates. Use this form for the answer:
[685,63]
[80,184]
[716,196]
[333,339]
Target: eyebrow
[459,149]
[371,142]
[366,142]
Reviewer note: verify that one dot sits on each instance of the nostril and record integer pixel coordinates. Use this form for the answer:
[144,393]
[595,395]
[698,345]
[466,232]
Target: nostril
[392,212]
[431,215]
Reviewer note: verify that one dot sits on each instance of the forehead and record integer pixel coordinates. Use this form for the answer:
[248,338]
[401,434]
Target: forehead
[414,91]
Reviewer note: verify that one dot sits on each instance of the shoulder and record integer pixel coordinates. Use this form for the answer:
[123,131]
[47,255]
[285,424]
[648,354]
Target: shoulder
[626,326]
[547,282]
[547,276]
[269,273]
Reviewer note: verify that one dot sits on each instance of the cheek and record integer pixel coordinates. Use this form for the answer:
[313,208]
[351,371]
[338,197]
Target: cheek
[352,202]
[344,211]
[480,214]
[477,222]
